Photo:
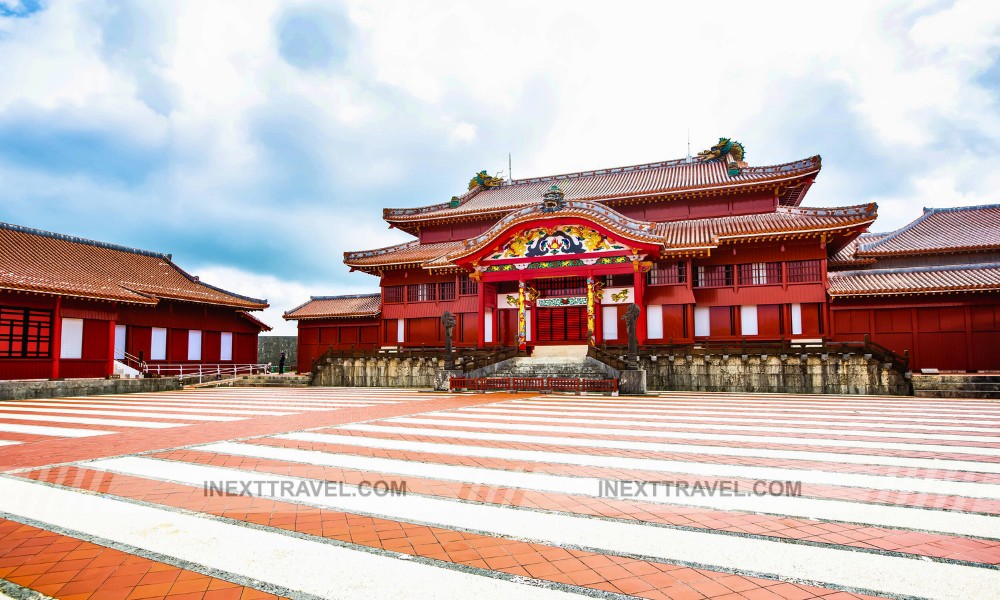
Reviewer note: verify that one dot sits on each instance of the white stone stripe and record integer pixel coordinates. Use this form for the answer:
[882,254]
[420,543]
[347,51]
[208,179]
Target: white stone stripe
[88,421]
[761,415]
[797,400]
[312,567]
[628,417]
[116,413]
[953,523]
[708,437]
[861,459]
[887,482]
[263,409]
[493,418]
[56,431]
[855,404]
[828,565]
[144,407]
[771,410]
[8,443]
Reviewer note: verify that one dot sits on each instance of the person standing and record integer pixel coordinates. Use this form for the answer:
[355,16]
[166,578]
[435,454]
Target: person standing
[281,364]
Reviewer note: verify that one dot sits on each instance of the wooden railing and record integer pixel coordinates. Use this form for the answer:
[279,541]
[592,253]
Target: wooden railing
[613,360]
[540,384]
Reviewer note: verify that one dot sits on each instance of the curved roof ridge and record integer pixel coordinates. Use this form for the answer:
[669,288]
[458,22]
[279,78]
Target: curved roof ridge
[377,251]
[923,269]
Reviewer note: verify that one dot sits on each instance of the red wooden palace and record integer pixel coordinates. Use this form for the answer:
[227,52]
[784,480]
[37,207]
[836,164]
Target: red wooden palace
[709,248]
[71,307]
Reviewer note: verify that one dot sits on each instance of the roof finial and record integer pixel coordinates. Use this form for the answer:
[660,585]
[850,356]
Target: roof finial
[688,159]
[510,169]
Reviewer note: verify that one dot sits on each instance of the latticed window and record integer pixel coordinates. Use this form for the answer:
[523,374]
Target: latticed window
[467,286]
[713,276]
[666,274]
[760,273]
[620,280]
[446,290]
[421,292]
[393,294]
[25,333]
[805,271]
[562,286]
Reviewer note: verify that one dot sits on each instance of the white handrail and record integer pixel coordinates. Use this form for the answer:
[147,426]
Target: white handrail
[200,370]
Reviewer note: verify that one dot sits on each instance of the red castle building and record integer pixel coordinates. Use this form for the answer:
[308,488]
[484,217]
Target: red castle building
[72,308]
[709,248]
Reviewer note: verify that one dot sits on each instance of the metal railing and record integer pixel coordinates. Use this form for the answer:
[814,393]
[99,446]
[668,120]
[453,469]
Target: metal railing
[130,360]
[201,370]
[540,384]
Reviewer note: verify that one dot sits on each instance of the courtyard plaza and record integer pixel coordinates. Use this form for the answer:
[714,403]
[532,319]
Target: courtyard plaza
[363,493]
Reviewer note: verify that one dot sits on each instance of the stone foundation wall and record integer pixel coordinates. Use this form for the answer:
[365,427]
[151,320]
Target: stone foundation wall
[270,347]
[790,373]
[379,372]
[41,388]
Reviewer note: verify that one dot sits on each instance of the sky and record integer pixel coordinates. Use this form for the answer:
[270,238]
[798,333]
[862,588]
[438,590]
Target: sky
[258,141]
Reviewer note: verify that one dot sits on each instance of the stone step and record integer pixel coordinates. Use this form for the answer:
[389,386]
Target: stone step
[957,393]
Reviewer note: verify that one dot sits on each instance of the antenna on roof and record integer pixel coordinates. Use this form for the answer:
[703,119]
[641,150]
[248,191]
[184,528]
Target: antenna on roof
[688,159]
[510,173]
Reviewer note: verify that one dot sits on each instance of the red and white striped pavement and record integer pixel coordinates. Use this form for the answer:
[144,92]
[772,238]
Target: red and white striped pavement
[78,417]
[522,498]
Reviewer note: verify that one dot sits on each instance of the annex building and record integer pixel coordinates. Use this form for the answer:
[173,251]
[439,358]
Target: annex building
[711,250]
[77,308]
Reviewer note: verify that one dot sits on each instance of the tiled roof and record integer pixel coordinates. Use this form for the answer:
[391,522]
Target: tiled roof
[401,254]
[39,261]
[916,280]
[675,236]
[263,326]
[701,233]
[651,179]
[940,230]
[846,255]
[324,307]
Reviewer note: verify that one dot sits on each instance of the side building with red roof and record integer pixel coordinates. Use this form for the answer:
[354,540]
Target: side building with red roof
[72,307]
[930,288]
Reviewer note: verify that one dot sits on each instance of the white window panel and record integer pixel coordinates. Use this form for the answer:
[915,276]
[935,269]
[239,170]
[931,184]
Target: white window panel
[488,326]
[400,330]
[609,322]
[701,322]
[226,346]
[71,340]
[654,321]
[796,319]
[120,331]
[527,323]
[748,320]
[194,344]
[158,348]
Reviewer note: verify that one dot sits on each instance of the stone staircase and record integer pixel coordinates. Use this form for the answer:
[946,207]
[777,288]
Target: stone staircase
[958,385]
[551,362]
[272,380]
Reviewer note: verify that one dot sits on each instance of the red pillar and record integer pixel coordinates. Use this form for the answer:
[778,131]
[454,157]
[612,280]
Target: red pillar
[481,313]
[111,347]
[639,281]
[56,346]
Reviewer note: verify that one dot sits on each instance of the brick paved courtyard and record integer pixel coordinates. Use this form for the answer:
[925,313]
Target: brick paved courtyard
[220,494]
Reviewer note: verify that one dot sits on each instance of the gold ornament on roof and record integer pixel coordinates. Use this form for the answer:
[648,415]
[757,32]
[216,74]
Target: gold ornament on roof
[482,179]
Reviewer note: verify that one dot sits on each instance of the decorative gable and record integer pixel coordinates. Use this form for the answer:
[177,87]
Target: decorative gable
[560,240]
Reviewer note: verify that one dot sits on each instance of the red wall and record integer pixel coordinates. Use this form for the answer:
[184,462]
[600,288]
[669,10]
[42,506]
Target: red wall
[316,336]
[954,334]
[97,334]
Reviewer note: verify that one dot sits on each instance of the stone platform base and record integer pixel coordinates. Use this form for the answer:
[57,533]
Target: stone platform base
[28,389]
[632,382]
[443,377]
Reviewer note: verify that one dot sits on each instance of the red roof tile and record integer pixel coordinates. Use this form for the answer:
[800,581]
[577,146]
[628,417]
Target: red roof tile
[651,179]
[676,236]
[702,233]
[940,230]
[408,253]
[846,256]
[39,261]
[916,280]
[325,307]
